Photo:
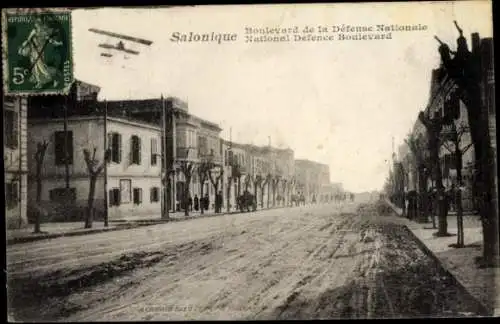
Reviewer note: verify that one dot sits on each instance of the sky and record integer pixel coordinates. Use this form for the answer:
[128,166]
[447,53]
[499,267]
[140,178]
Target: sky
[338,102]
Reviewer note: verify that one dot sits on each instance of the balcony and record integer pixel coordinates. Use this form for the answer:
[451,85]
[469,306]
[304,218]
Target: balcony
[187,153]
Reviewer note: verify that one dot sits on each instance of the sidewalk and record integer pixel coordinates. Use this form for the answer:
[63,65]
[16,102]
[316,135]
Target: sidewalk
[482,284]
[55,230]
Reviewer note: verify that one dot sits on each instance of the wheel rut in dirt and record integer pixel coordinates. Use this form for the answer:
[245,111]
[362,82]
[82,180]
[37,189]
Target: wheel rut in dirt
[33,292]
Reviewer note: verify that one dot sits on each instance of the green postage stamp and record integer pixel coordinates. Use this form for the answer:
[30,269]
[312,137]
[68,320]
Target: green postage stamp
[37,51]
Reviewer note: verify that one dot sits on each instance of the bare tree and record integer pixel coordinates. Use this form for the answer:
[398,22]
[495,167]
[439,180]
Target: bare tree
[291,187]
[94,168]
[274,184]
[257,181]
[41,149]
[247,181]
[204,168]
[452,142]
[433,127]
[187,168]
[235,175]
[284,183]
[216,179]
[417,147]
[467,69]
[267,182]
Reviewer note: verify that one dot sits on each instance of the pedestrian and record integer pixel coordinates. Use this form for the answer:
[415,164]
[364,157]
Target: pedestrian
[196,202]
[218,202]
[207,202]
[190,203]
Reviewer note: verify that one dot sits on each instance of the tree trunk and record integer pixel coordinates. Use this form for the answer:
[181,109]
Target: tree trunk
[239,187]
[422,208]
[479,131]
[90,206]
[186,195]
[274,194]
[458,197]
[268,194]
[38,197]
[229,185]
[441,200]
[202,187]
[262,186]
[255,192]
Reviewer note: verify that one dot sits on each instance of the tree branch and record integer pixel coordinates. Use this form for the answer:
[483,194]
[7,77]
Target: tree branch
[466,148]
[446,146]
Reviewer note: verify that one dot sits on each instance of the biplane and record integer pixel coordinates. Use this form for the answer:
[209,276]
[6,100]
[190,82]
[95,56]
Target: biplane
[120,46]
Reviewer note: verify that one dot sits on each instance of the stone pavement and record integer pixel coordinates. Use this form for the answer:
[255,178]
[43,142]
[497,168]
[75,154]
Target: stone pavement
[482,284]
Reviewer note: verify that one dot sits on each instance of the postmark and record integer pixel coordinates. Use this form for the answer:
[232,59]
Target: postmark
[37,51]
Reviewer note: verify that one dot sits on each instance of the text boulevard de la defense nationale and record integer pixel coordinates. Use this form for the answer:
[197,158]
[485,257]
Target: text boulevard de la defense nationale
[307,33]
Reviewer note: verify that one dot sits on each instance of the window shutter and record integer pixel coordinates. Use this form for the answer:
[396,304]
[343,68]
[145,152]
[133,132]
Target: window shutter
[131,153]
[111,197]
[153,151]
[151,195]
[118,197]
[15,129]
[110,143]
[140,195]
[138,152]
[70,147]
[119,147]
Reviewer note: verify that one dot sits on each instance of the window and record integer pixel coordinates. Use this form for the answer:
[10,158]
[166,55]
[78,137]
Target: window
[154,195]
[231,157]
[114,197]
[10,128]
[137,196]
[115,145]
[226,162]
[126,190]
[60,153]
[452,107]
[135,150]
[11,194]
[202,145]
[154,151]
[63,195]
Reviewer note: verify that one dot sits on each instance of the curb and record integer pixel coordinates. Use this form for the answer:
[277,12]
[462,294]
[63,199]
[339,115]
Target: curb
[120,225]
[480,307]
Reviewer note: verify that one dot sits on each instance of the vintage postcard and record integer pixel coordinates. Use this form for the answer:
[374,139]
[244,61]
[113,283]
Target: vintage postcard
[279,161]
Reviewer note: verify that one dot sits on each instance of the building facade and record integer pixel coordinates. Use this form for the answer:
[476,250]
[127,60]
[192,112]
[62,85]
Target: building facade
[312,179]
[15,161]
[444,101]
[133,173]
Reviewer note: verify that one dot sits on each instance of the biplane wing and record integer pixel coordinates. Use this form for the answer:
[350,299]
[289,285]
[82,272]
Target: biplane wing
[120,36]
[119,48]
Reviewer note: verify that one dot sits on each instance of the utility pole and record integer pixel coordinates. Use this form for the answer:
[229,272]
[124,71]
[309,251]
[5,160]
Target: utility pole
[106,216]
[164,157]
[66,153]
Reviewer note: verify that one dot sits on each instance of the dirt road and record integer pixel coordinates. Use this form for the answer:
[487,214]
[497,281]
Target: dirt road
[295,263]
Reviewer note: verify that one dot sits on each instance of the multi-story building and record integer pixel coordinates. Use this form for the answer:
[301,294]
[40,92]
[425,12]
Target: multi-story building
[133,174]
[15,160]
[190,141]
[443,100]
[311,178]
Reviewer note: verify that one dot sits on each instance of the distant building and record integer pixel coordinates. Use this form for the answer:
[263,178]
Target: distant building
[15,160]
[312,178]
